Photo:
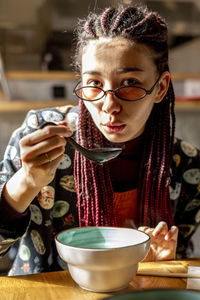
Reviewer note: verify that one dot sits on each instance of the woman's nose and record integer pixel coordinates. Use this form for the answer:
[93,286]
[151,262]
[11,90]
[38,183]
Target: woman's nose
[110,103]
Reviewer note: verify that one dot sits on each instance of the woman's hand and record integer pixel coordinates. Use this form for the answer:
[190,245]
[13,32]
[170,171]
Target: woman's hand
[41,153]
[163,242]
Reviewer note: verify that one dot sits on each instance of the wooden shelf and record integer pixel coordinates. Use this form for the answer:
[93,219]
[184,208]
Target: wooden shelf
[39,75]
[187,105]
[44,75]
[182,76]
[24,106]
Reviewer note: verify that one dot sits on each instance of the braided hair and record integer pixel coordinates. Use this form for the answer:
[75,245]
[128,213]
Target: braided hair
[93,183]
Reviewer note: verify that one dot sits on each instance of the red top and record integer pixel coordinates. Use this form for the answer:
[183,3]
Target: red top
[125,208]
[124,175]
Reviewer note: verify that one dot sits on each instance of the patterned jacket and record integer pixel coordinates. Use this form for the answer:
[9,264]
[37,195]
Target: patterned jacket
[54,209]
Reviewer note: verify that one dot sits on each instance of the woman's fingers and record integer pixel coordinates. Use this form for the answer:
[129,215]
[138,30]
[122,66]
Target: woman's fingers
[146,230]
[52,165]
[45,133]
[48,157]
[30,153]
[143,228]
[161,228]
[172,234]
[43,141]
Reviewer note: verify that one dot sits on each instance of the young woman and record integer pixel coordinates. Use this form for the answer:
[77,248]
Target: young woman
[127,99]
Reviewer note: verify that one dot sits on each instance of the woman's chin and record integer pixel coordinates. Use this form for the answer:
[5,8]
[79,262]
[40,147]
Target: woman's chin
[116,138]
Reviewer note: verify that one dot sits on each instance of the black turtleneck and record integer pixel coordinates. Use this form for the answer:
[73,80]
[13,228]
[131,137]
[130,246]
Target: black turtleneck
[124,169]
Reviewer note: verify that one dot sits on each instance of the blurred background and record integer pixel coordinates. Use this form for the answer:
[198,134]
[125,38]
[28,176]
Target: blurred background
[36,49]
[29,29]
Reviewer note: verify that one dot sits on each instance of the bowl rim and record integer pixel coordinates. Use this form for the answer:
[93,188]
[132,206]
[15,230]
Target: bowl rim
[102,227]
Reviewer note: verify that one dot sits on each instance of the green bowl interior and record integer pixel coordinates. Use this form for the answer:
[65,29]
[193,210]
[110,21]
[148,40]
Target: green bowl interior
[101,238]
[158,295]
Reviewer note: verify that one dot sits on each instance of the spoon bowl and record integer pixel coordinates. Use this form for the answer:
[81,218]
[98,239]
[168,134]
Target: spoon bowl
[99,155]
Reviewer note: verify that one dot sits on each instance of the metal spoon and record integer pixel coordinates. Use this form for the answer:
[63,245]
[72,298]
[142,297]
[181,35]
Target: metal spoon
[99,155]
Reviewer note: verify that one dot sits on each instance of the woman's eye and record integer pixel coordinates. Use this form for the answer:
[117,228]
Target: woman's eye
[95,83]
[130,81]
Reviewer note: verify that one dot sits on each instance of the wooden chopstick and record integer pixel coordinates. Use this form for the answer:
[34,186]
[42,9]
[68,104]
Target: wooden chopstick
[167,274]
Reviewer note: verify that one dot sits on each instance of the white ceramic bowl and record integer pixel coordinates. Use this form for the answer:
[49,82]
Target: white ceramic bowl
[102,259]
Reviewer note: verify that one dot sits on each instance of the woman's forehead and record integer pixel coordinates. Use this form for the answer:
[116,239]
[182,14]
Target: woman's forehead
[121,52]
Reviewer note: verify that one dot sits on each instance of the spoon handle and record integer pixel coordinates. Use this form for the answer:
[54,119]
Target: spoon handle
[78,147]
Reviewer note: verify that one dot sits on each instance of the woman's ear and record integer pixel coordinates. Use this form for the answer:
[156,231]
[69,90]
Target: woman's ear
[162,87]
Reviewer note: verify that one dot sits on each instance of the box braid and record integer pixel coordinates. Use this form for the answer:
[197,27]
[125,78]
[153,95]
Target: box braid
[93,183]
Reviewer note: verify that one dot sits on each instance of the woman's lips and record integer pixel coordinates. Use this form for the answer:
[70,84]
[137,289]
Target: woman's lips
[114,128]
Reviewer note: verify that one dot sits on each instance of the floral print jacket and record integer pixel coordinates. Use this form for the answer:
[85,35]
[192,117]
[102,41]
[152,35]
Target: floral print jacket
[54,209]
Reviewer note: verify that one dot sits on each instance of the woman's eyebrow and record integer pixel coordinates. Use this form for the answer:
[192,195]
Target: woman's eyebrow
[121,70]
[92,72]
[129,69]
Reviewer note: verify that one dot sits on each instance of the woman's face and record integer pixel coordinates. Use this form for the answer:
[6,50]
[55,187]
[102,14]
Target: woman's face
[112,63]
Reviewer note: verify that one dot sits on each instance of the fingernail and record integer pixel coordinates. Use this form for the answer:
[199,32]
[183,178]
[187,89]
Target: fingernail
[64,123]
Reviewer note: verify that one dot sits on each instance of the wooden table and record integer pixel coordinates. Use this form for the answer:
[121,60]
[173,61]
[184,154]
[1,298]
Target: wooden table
[59,285]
